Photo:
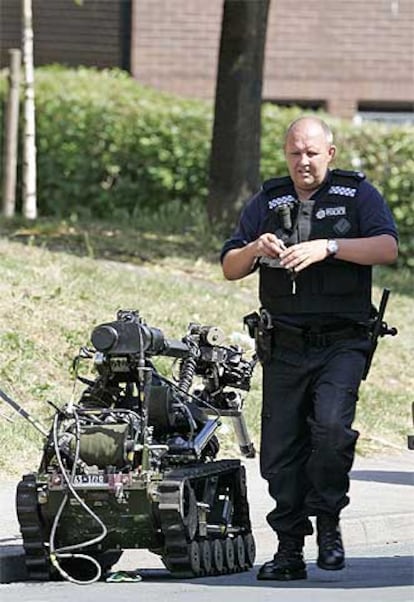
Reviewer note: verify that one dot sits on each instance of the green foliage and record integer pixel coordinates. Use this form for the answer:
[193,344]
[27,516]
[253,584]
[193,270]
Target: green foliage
[108,147]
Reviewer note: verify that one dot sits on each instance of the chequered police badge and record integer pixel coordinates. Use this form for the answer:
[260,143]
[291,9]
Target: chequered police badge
[342,191]
[287,199]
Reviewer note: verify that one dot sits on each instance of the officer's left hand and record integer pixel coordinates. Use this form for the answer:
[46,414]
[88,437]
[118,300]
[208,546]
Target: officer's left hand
[300,256]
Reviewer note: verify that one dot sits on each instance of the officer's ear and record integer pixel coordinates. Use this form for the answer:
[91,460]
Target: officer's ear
[331,152]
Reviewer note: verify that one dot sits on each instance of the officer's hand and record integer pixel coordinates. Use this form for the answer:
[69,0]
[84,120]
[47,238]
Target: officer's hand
[268,245]
[300,256]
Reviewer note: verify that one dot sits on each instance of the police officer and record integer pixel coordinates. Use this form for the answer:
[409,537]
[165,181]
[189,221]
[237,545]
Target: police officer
[314,237]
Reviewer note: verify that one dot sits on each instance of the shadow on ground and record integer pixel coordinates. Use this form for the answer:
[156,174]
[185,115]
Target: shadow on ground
[383,476]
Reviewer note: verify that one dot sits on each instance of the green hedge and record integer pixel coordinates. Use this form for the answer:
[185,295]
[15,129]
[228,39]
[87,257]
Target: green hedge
[108,147]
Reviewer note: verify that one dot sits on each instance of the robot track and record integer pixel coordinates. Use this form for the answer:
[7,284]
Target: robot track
[36,557]
[204,517]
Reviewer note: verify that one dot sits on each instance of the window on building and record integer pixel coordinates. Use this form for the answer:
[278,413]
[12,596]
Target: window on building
[309,105]
[392,113]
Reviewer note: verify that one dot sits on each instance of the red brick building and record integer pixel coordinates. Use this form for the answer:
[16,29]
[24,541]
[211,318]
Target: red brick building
[347,56]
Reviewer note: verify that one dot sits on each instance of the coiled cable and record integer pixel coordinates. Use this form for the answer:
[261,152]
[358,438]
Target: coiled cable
[56,555]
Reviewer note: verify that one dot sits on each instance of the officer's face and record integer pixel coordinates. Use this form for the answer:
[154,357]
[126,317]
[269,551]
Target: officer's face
[308,154]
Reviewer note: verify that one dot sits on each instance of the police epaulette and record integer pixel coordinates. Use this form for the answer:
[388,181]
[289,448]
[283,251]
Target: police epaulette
[355,175]
[276,183]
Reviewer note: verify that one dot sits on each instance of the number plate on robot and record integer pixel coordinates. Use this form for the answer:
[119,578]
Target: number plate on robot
[89,480]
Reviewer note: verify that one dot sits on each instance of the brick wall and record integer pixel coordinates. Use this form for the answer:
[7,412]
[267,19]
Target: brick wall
[343,51]
[335,53]
[176,43]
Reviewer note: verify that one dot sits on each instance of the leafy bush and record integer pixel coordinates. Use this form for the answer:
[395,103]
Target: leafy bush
[109,147]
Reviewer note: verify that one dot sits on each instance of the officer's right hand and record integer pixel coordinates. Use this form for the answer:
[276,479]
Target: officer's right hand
[268,245]
[239,262]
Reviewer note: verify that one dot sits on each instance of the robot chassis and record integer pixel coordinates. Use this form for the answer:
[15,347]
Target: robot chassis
[133,463]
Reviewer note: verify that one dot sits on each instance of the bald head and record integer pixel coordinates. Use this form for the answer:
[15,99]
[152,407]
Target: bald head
[310,123]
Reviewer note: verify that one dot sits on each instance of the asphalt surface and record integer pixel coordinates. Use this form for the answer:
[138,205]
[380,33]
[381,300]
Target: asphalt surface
[381,512]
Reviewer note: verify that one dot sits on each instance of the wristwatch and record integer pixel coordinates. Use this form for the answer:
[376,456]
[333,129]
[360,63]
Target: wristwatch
[332,247]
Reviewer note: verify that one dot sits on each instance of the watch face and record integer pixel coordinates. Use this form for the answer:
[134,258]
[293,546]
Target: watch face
[332,247]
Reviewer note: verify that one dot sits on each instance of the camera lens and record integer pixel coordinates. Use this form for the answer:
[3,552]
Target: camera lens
[104,337]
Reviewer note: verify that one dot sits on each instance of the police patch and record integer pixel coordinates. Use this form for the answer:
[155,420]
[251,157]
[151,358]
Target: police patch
[330,212]
[342,191]
[342,226]
[287,199]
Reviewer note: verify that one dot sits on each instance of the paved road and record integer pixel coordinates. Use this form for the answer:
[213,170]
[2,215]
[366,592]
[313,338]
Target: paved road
[375,574]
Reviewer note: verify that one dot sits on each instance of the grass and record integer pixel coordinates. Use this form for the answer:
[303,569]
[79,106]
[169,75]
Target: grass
[59,279]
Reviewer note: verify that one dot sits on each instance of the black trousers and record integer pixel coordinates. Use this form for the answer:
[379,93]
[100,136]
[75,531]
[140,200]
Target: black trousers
[308,444]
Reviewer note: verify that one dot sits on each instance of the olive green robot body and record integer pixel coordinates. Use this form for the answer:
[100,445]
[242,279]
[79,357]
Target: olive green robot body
[133,463]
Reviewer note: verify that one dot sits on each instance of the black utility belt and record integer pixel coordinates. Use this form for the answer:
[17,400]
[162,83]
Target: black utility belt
[269,332]
[299,338]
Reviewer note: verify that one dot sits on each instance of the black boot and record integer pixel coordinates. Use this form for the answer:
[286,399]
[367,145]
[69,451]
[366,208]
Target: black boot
[287,563]
[331,550]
